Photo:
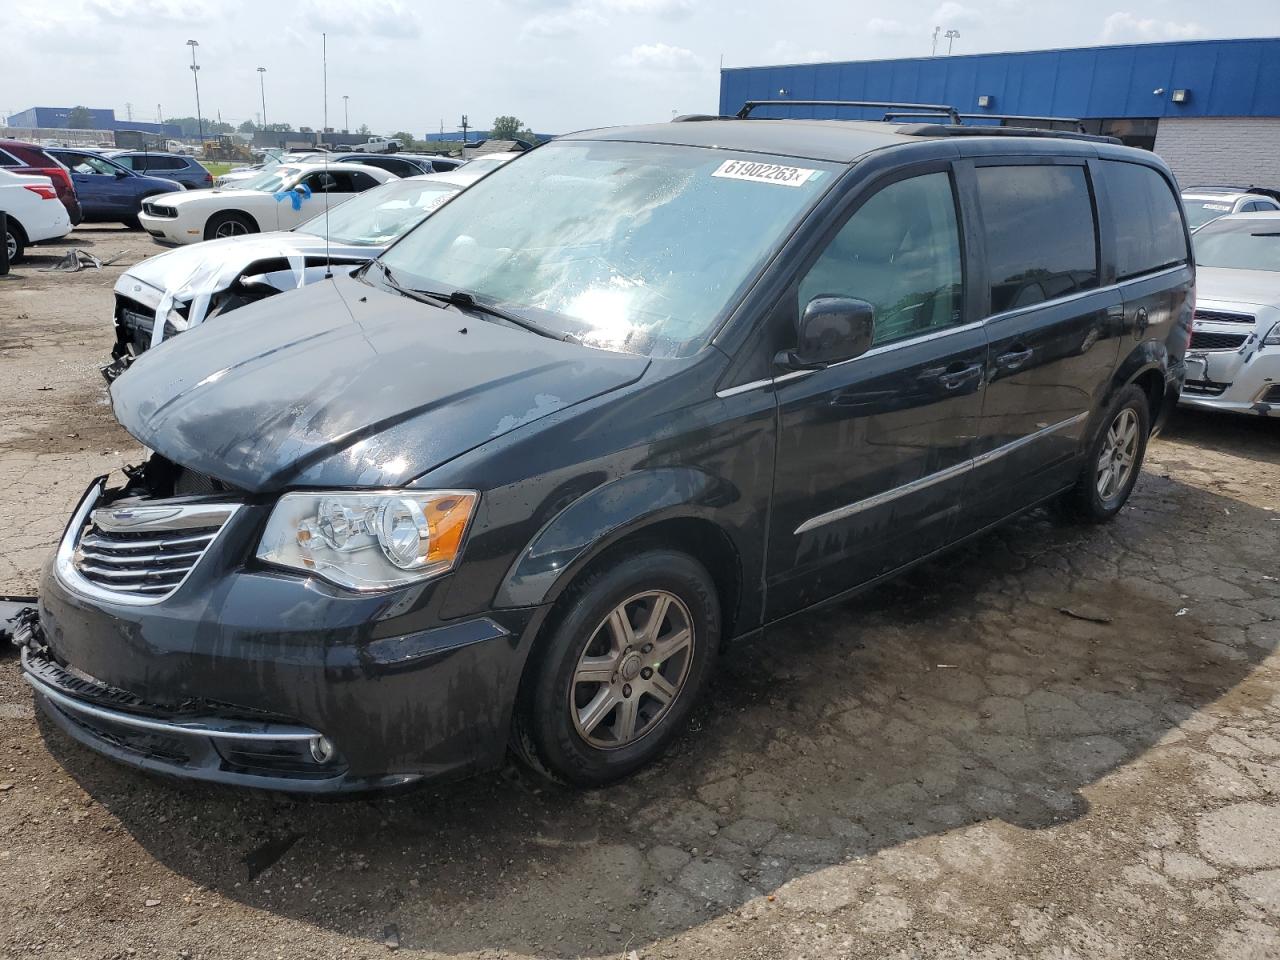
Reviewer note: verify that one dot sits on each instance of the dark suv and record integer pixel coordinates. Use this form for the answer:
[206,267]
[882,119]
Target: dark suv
[187,171]
[638,393]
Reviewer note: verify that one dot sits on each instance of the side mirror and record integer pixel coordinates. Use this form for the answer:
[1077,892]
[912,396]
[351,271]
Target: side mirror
[121,174]
[830,330]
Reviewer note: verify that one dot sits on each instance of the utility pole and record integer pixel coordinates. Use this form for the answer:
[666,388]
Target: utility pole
[262,89]
[464,129]
[195,76]
[159,114]
[346,120]
[936,31]
[951,36]
[128,111]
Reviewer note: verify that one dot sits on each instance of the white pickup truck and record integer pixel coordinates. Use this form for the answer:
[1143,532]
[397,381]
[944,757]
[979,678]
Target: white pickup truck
[378,145]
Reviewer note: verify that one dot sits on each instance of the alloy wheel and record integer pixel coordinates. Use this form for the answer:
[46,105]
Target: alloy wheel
[632,669]
[1119,452]
[11,242]
[230,228]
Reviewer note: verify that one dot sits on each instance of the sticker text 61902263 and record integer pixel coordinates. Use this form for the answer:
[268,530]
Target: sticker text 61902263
[774,173]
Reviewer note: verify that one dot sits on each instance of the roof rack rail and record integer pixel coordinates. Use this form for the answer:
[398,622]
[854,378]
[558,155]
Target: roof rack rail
[976,130]
[932,109]
[1079,124]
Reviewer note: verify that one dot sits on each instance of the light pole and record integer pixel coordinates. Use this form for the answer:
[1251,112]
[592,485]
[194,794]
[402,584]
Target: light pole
[936,31]
[195,76]
[262,89]
[951,36]
[346,121]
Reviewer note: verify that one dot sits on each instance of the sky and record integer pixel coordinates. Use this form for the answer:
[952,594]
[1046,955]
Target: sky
[557,65]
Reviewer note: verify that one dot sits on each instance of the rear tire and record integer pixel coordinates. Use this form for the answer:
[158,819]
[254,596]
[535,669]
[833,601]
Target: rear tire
[611,688]
[16,239]
[1113,461]
[228,225]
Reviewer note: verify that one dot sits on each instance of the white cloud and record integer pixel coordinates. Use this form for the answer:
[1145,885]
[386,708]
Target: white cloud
[879,27]
[149,12]
[662,56]
[666,9]
[784,51]
[387,19]
[1123,26]
[563,23]
[951,14]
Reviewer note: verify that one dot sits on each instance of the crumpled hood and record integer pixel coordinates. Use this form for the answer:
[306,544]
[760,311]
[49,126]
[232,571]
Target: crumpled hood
[1259,287]
[221,261]
[341,384]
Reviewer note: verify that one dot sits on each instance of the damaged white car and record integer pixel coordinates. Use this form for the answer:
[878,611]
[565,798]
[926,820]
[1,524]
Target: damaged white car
[192,284]
[278,199]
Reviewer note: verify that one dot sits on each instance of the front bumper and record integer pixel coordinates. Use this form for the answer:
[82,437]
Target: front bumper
[169,229]
[1246,381]
[175,686]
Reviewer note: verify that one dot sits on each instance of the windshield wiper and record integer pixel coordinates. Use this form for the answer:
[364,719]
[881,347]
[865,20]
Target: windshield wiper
[464,300]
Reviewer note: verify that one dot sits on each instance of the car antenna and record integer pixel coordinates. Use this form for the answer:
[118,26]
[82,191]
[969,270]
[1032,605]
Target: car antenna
[324,61]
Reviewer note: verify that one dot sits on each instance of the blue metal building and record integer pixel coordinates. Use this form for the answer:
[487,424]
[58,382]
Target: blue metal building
[102,119]
[1211,107]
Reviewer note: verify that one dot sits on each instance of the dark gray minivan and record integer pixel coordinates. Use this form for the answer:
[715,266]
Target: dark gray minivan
[640,392]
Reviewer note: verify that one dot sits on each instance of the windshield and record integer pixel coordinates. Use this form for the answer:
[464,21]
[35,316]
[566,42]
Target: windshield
[270,181]
[1200,212]
[486,164]
[1240,244]
[627,246]
[378,216]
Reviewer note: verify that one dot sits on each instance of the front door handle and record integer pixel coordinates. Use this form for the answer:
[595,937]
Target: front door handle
[955,379]
[1014,359]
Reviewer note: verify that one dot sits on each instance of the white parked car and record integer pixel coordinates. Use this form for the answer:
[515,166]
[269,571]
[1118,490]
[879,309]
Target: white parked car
[33,212]
[378,145]
[189,285]
[278,199]
[1205,204]
[1233,362]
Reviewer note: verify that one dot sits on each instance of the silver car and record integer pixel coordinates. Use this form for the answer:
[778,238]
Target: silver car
[1233,362]
[188,285]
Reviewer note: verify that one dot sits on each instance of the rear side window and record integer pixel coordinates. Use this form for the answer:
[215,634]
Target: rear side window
[1149,232]
[9,160]
[900,251]
[126,161]
[1041,238]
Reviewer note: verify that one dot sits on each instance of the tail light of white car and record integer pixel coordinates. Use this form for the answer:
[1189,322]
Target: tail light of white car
[41,191]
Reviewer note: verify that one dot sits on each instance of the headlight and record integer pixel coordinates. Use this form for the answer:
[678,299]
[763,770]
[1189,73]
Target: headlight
[1272,339]
[369,541]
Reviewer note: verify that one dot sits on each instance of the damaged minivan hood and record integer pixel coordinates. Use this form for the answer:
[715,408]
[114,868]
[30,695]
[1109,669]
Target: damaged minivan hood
[347,385]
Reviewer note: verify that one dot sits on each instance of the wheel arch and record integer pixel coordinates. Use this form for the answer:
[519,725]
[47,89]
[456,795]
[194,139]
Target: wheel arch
[669,507]
[233,210]
[1145,368]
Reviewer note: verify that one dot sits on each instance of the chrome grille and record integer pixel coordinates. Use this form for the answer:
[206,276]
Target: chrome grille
[138,552]
[1202,340]
[1224,316]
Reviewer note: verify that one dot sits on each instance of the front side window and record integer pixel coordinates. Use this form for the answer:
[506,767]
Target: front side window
[1149,234]
[1239,244]
[1041,239]
[900,252]
[87,163]
[636,247]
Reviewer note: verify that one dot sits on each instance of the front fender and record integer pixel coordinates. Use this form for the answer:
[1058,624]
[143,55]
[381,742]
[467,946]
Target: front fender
[600,517]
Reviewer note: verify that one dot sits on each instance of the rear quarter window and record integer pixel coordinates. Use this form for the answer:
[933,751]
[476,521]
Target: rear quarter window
[1148,224]
[1039,231]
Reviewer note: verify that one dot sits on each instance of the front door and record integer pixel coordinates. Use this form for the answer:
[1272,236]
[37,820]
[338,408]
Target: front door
[103,188]
[872,453]
[1054,331]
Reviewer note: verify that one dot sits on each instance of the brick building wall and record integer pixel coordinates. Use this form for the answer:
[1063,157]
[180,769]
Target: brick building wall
[1222,150]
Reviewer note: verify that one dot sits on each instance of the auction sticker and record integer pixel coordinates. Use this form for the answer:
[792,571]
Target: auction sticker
[757,172]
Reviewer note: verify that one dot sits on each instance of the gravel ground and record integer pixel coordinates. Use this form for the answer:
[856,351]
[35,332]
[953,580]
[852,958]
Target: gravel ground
[951,766]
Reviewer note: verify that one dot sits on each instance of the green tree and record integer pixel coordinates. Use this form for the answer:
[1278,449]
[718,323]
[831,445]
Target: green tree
[505,128]
[364,130]
[278,127]
[528,136]
[247,127]
[79,118]
[406,139]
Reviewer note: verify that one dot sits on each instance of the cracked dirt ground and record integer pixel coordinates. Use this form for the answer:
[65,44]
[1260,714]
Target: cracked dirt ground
[947,767]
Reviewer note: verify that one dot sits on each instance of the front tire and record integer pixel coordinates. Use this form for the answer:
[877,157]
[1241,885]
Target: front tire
[1113,461]
[622,667]
[222,225]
